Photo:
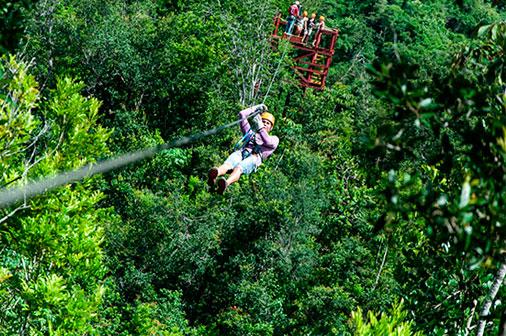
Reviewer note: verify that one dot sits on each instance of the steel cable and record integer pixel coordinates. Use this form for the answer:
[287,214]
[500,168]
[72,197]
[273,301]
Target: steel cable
[13,195]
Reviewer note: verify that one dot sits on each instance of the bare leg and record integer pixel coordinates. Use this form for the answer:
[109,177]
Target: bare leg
[224,183]
[223,169]
[236,174]
[215,172]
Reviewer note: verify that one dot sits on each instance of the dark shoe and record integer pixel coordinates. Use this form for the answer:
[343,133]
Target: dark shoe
[222,186]
[211,176]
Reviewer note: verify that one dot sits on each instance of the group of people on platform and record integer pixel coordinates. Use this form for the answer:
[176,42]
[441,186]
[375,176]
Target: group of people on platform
[299,24]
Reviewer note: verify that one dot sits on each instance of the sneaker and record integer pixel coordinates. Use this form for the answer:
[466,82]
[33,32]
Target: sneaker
[222,185]
[211,176]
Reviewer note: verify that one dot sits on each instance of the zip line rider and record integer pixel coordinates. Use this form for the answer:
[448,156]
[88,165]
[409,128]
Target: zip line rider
[255,146]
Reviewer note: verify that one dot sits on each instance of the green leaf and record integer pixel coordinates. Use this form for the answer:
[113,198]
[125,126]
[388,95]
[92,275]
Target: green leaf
[465,194]
[425,102]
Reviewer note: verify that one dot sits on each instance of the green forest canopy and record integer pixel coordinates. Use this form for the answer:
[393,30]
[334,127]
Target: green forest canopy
[386,195]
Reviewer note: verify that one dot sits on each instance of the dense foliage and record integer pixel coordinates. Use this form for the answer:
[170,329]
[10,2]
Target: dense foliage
[386,194]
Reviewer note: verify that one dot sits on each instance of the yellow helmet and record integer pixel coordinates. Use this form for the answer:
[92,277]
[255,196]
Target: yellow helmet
[322,18]
[268,116]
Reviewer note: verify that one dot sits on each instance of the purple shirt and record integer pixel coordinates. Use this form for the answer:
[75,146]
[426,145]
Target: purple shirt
[267,143]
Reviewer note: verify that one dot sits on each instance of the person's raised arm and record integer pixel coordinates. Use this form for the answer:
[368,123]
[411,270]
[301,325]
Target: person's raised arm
[244,114]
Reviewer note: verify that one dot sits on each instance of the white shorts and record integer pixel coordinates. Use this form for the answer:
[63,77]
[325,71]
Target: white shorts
[248,164]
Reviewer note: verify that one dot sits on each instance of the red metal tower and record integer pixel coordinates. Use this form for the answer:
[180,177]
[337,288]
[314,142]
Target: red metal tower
[312,59]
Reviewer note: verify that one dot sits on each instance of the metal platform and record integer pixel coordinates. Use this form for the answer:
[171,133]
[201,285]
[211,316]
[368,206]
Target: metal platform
[312,58]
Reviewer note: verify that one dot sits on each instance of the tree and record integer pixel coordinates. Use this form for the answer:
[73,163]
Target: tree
[393,324]
[13,22]
[52,262]
[455,195]
[368,198]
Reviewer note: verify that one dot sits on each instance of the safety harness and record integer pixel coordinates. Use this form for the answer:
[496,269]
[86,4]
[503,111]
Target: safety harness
[248,138]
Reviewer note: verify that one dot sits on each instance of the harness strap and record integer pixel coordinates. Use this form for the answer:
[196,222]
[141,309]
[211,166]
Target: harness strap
[244,141]
[249,137]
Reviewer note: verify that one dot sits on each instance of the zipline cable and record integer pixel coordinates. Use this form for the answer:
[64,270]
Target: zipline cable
[275,74]
[13,195]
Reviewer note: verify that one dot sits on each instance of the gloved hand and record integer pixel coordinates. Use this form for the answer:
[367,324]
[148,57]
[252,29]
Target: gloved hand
[260,108]
[256,123]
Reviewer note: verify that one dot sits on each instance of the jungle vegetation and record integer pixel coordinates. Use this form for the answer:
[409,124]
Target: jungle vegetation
[383,210]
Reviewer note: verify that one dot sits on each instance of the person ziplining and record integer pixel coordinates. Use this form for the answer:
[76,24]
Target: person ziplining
[267,144]
[256,143]
[255,147]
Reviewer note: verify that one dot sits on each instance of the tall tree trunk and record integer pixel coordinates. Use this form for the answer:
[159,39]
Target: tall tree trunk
[499,279]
